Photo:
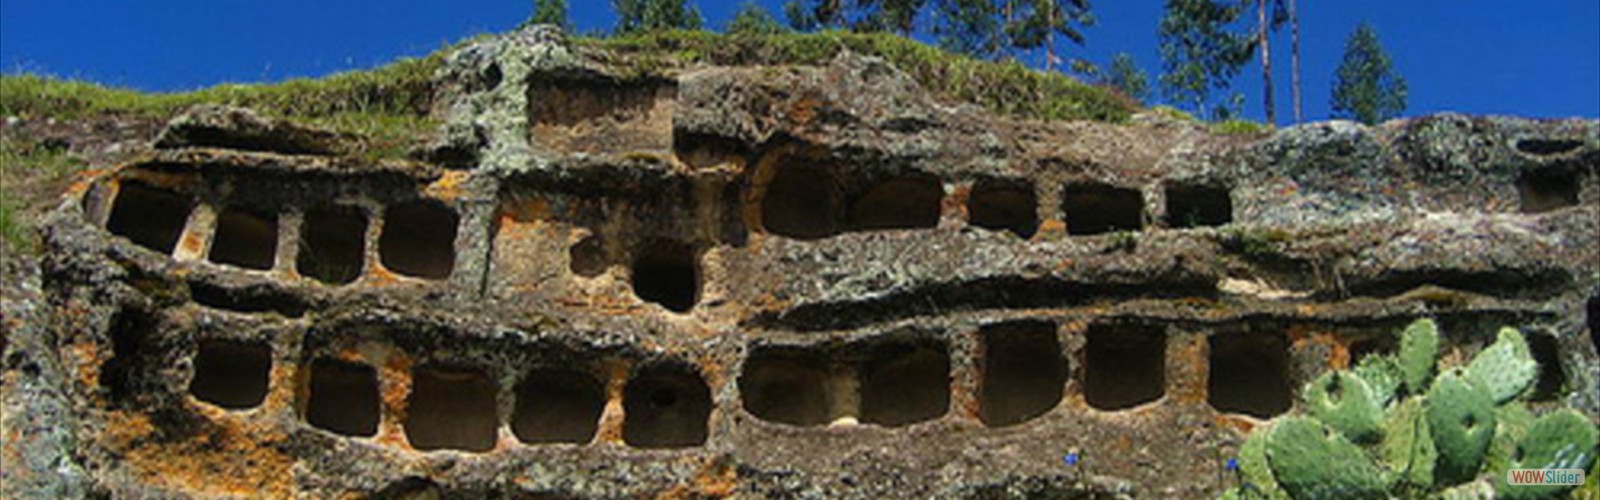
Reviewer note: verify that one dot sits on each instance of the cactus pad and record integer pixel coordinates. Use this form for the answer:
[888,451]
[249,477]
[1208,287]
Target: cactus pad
[1506,368]
[1312,461]
[1461,421]
[1419,346]
[1345,403]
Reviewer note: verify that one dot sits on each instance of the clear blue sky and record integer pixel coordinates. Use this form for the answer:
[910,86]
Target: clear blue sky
[1535,57]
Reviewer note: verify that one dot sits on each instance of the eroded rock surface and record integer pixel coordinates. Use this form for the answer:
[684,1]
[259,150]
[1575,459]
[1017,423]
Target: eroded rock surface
[770,282]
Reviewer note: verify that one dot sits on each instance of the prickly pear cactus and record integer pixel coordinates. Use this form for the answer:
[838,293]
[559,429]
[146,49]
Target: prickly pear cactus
[1561,440]
[1461,420]
[1256,479]
[1505,369]
[1419,346]
[1407,448]
[1344,402]
[1383,378]
[1311,461]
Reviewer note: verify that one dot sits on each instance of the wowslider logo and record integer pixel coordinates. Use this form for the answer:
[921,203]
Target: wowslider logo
[1530,477]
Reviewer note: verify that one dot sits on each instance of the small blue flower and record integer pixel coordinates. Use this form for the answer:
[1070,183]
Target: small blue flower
[1071,458]
[1232,465]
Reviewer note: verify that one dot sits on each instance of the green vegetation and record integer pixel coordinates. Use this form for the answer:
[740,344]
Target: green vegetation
[1366,87]
[1008,88]
[1201,54]
[552,12]
[639,16]
[1125,75]
[1390,429]
[31,174]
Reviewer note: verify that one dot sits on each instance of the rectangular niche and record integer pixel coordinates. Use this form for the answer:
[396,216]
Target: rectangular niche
[803,201]
[905,383]
[245,238]
[666,406]
[1198,206]
[906,202]
[451,408]
[231,374]
[1024,372]
[558,406]
[787,385]
[419,239]
[1100,208]
[1249,372]
[343,398]
[1004,206]
[601,115]
[1124,365]
[333,244]
[1548,189]
[148,216]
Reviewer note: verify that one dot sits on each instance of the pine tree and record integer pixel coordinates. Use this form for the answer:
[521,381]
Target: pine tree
[1366,86]
[753,19]
[899,16]
[970,27]
[811,15]
[1032,24]
[1124,74]
[552,12]
[635,16]
[1294,59]
[1200,55]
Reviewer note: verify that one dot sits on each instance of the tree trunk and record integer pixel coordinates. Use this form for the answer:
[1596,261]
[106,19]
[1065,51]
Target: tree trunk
[1266,61]
[1294,59]
[1050,40]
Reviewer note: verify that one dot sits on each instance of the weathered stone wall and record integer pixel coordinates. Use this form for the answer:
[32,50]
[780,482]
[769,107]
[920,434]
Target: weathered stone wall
[771,282]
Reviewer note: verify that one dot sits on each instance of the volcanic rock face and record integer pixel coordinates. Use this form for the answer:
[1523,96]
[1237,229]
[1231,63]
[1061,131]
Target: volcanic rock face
[789,282]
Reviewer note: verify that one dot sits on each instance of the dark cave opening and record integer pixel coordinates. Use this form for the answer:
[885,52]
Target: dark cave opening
[333,244]
[786,386]
[666,407]
[419,239]
[1548,189]
[245,238]
[150,217]
[1249,373]
[1024,372]
[451,407]
[343,398]
[1004,207]
[1101,208]
[907,202]
[1546,350]
[667,273]
[1124,366]
[587,257]
[802,202]
[231,374]
[1198,206]
[558,406]
[902,384]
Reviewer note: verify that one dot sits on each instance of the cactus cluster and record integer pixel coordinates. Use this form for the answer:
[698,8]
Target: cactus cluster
[1400,426]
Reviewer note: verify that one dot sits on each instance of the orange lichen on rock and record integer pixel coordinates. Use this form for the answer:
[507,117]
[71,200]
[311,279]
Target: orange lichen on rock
[225,458]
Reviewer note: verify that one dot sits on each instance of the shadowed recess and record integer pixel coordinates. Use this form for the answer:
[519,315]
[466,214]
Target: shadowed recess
[666,407]
[1198,206]
[1249,373]
[1004,206]
[1546,350]
[1594,321]
[1548,189]
[246,239]
[587,258]
[1124,366]
[667,273]
[419,239]
[802,202]
[252,299]
[558,406]
[343,398]
[904,384]
[1545,147]
[1099,208]
[908,202]
[1023,372]
[333,244]
[150,217]
[451,408]
[121,375]
[786,386]
[231,374]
